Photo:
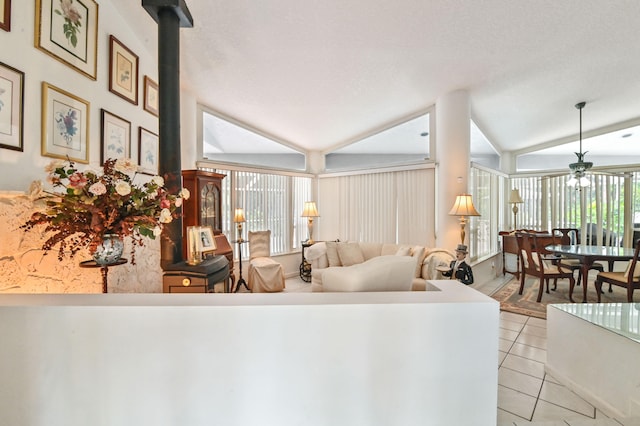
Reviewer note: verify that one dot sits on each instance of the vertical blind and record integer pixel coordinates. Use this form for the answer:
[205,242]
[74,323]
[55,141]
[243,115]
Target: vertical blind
[604,211]
[485,187]
[270,202]
[394,207]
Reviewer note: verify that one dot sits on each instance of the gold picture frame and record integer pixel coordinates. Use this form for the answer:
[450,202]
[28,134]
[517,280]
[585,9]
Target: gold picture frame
[65,125]
[151,96]
[123,71]
[148,151]
[11,108]
[5,15]
[69,33]
[115,137]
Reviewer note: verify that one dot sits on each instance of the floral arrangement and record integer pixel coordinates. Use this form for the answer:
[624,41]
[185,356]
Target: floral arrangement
[92,205]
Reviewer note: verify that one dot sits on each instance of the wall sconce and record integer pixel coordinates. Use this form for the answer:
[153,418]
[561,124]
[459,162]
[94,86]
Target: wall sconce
[239,219]
[310,211]
[463,207]
[515,199]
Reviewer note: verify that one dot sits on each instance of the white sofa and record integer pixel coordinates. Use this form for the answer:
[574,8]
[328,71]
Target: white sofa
[346,265]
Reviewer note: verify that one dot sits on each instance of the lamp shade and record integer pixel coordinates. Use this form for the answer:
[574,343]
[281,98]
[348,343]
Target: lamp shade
[514,197]
[463,206]
[239,216]
[310,209]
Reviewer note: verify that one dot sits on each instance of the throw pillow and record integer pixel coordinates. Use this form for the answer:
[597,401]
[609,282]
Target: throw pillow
[419,253]
[332,254]
[404,251]
[636,271]
[350,253]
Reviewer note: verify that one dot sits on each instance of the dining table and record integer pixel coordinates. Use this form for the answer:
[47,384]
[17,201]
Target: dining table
[590,254]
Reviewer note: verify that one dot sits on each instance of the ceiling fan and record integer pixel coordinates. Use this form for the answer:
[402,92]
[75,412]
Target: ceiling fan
[578,170]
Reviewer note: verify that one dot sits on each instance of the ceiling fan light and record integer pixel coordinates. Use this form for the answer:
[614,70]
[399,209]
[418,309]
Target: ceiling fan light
[584,181]
[572,182]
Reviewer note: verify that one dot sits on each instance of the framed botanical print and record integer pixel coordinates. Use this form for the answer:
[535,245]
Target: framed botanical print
[11,107]
[148,151]
[115,137]
[65,125]
[151,96]
[123,71]
[5,15]
[68,31]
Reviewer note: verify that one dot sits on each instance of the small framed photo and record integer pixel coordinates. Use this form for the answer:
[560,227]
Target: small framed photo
[5,15]
[151,102]
[11,107]
[148,151]
[115,137]
[123,71]
[68,31]
[65,125]
[207,243]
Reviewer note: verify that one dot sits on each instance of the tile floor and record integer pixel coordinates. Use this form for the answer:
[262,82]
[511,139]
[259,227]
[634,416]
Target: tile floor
[526,394]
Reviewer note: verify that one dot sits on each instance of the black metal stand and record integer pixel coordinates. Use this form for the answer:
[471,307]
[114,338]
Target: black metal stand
[241,280]
[104,270]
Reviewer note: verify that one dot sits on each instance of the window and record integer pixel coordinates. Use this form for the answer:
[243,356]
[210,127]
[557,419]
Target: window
[270,201]
[598,210]
[486,189]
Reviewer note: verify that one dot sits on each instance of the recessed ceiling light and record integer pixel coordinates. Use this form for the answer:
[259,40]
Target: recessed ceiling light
[627,135]
[424,134]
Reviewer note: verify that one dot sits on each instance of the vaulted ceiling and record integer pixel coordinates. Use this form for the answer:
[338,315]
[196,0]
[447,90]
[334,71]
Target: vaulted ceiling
[320,74]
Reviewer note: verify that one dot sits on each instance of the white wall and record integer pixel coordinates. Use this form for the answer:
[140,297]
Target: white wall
[19,169]
[388,358]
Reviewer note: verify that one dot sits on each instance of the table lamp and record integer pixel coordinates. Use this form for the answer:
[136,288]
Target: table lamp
[239,219]
[463,207]
[515,199]
[310,211]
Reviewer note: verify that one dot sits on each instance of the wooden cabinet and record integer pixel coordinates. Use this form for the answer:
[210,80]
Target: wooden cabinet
[204,208]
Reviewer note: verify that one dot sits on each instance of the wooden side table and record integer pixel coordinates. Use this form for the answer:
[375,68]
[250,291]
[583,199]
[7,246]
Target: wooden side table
[104,270]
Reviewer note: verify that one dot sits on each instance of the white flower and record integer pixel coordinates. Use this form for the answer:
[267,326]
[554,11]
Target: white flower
[157,231]
[125,165]
[178,202]
[165,216]
[55,164]
[158,180]
[153,194]
[98,188]
[123,188]
[184,193]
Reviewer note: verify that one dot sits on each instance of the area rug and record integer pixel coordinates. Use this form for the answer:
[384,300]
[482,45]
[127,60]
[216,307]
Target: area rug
[525,303]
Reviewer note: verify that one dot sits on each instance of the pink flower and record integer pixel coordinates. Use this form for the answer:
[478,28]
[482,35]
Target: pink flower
[69,11]
[77,180]
[165,204]
[98,188]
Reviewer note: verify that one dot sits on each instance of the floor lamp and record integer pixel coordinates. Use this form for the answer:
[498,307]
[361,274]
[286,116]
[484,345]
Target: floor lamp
[515,199]
[463,207]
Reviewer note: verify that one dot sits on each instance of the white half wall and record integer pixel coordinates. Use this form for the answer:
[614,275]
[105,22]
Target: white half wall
[389,358]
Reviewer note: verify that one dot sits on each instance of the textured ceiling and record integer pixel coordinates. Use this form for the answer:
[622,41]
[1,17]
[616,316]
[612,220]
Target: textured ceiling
[318,75]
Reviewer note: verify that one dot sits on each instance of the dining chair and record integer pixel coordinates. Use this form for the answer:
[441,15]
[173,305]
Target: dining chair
[630,278]
[535,265]
[571,236]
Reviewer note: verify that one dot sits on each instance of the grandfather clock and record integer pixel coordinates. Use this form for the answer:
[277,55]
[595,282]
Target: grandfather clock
[204,208]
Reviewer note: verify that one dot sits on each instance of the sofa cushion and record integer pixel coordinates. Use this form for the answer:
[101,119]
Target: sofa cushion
[419,252]
[349,254]
[370,250]
[332,254]
[389,249]
[404,251]
[382,273]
